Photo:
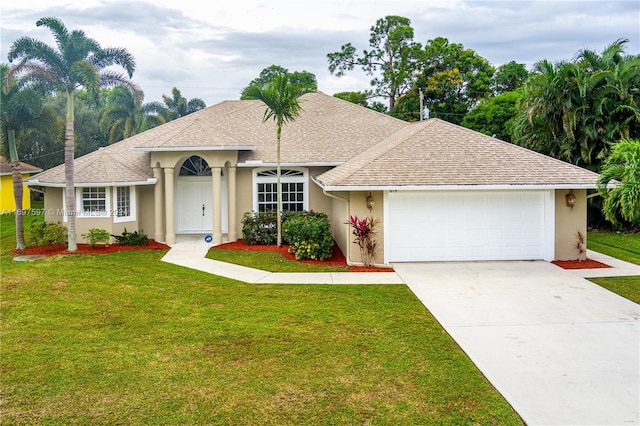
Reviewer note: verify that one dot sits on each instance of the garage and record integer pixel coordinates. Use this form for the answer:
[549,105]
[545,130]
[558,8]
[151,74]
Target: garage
[468,225]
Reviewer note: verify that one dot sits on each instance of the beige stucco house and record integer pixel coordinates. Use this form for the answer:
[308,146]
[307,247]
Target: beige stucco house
[441,192]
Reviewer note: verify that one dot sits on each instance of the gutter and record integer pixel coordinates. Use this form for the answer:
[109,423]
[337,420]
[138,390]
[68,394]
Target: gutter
[149,181]
[502,187]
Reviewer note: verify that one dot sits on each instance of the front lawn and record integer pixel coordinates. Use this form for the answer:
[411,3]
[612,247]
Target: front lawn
[623,246]
[123,338]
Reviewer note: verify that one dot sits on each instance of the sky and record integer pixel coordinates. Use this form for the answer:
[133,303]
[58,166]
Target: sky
[212,49]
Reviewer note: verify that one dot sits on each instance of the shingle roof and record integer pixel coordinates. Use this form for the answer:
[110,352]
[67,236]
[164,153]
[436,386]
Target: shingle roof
[5,167]
[376,149]
[328,130]
[112,164]
[438,153]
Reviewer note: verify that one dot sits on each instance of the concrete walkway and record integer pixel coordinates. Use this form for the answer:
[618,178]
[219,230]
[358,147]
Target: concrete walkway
[190,252]
[560,349]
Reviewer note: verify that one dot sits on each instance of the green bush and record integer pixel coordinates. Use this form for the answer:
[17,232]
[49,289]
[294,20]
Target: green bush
[309,235]
[47,233]
[97,235]
[259,228]
[136,238]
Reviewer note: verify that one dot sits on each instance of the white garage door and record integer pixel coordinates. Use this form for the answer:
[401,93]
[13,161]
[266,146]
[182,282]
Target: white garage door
[453,226]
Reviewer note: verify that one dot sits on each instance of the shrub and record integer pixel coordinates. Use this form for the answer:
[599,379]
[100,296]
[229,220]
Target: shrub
[47,233]
[97,235]
[364,231]
[136,238]
[259,228]
[309,235]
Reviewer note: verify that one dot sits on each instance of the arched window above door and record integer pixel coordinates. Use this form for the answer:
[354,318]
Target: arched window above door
[195,166]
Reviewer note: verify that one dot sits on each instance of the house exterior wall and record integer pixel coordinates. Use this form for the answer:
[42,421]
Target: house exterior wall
[7,202]
[568,221]
[318,202]
[358,207]
[53,205]
[339,214]
[244,197]
[145,213]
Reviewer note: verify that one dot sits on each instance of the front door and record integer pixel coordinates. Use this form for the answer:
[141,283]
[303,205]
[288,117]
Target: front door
[195,205]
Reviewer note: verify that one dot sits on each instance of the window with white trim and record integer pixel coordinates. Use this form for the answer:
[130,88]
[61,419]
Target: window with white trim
[93,202]
[293,183]
[125,204]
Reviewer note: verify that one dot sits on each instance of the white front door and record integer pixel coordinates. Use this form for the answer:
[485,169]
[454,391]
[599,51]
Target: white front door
[194,209]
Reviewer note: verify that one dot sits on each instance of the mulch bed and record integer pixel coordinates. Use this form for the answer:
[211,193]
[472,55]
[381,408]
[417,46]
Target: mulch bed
[87,249]
[337,257]
[580,264]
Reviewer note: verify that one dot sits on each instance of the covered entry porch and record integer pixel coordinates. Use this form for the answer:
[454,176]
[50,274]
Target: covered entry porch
[195,193]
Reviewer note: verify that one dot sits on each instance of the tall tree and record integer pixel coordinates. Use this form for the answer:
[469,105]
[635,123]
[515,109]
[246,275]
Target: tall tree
[179,106]
[577,110]
[494,116]
[283,106]
[509,77]
[78,61]
[20,107]
[453,80]
[125,115]
[392,60]
[303,78]
[623,166]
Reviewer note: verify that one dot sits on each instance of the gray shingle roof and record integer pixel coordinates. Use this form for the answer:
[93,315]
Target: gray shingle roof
[438,153]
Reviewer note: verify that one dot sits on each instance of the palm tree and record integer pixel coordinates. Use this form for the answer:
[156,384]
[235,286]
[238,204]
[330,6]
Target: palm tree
[79,61]
[578,110]
[283,106]
[20,106]
[125,115]
[623,165]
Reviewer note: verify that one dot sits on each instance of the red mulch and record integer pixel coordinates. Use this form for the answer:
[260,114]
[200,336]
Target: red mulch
[580,264]
[337,257]
[87,249]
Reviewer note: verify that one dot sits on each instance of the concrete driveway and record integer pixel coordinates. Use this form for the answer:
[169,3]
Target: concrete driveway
[559,348]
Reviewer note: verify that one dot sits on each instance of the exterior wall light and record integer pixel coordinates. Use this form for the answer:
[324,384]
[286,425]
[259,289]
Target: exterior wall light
[370,202]
[570,200]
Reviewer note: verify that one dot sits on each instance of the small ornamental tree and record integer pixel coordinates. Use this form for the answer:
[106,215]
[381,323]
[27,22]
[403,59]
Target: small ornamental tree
[364,231]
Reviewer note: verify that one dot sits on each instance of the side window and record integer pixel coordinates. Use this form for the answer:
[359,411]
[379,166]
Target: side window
[124,204]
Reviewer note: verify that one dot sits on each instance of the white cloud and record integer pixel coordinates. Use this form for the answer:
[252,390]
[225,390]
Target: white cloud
[211,50]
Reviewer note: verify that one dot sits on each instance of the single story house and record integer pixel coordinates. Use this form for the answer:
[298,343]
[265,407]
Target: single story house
[441,192]
[7,199]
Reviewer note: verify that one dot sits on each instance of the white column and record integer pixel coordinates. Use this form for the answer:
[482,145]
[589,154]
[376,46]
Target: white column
[158,207]
[231,192]
[169,207]
[217,205]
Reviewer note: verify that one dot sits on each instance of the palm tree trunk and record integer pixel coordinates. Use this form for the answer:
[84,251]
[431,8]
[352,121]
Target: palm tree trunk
[16,172]
[278,191]
[69,174]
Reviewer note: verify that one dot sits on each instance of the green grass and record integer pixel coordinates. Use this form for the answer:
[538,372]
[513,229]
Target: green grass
[271,261]
[623,246]
[123,338]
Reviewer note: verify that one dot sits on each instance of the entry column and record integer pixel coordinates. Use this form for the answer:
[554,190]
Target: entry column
[231,191]
[217,205]
[158,191]
[168,204]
